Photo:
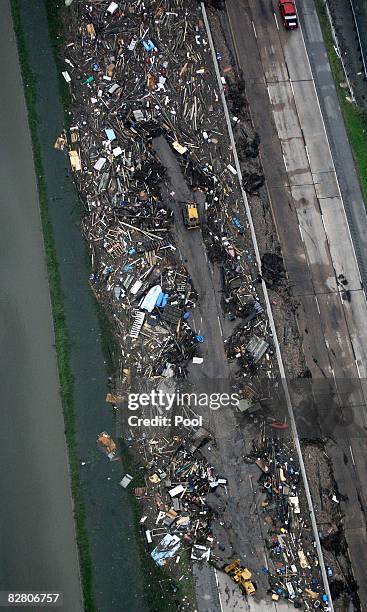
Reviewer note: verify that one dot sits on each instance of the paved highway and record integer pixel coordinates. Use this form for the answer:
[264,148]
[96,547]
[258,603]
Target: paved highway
[244,525]
[38,548]
[312,226]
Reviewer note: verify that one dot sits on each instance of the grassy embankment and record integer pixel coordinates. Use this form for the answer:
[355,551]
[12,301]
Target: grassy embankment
[62,339]
[355,117]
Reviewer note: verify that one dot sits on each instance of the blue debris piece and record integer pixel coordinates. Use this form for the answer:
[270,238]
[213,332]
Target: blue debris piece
[149,46]
[128,267]
[132,251]
[258,307]
[237,225]
[162,300]
[166,549]
[186,315]
[110,134]
[199,338]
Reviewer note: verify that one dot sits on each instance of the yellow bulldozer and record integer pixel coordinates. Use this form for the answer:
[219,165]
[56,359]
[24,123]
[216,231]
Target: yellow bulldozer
[191,215]
[240,575]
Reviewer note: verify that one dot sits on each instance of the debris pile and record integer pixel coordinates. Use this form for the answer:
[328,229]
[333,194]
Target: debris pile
[294,572]
[175,497]
[137,72]
[272,268]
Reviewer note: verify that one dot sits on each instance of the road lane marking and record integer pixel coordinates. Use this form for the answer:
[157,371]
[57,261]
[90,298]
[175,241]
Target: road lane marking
[276,21]
[308,157]
[216,580]
[351,454]
[323,222]
[253,25]
[268,90]
[300,231]
[317,304]
[357,366]
[220,326]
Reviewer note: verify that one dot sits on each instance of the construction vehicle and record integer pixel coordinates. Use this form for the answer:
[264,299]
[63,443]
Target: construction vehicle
[191,215]
[240,575]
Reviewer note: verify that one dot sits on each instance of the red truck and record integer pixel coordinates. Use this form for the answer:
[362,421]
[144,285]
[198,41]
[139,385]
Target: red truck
[288,13]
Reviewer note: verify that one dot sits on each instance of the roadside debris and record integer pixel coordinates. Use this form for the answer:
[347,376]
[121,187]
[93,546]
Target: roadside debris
[107,445]
[294,572]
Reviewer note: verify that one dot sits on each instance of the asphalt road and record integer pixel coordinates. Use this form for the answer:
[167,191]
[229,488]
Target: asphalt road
[38,548]
[312,227]
[244,525]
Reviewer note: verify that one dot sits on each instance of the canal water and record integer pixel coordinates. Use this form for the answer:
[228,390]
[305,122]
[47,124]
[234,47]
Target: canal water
[117,571]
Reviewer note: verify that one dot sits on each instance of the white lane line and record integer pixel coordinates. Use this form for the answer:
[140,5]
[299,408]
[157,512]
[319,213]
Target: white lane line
[253,25]
[268,90]
[216,580]
[291,84]
[323,222]
[317,304]
[308,157]
[300,231]
[285,163]
[220,326]
[276,21]
[351,454]
[357,366]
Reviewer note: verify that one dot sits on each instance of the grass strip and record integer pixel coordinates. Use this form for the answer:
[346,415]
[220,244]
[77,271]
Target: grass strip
[355,117]
[62,339]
